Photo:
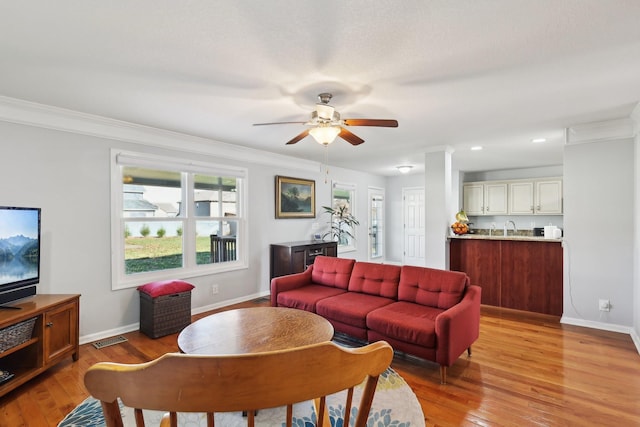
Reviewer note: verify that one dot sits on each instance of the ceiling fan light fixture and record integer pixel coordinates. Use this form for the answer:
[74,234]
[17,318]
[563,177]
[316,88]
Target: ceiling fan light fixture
[325,112]
[324,135]
[404,168]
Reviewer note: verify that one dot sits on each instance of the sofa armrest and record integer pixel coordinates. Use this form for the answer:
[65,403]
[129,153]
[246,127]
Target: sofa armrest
[289,282]
[458,327]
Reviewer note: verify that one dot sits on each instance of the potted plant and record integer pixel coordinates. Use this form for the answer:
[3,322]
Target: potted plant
[342,224]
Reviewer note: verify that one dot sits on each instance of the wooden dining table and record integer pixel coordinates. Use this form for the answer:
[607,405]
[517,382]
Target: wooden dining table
[254,330]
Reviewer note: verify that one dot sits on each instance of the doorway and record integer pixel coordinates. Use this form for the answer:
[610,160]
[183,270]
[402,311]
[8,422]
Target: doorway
[376,224]
[414,226]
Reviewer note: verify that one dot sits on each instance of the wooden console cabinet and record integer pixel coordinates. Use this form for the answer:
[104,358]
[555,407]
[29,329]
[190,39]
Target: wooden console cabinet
[55,336]
[295,257]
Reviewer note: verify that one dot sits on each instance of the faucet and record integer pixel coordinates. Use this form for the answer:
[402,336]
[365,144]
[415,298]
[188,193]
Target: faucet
[493,227]
[514,227]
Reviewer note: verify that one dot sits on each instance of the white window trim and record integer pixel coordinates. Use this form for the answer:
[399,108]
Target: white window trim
[119,280]
[352,208]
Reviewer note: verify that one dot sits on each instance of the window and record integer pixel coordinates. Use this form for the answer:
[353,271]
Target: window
[175,219]
[343,201]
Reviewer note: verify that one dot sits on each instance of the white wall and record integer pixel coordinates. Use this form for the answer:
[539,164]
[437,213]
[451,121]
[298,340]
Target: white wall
[598,232]
[68,175]
[635,334]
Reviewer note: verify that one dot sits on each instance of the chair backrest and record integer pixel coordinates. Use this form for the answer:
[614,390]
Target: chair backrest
[249,382]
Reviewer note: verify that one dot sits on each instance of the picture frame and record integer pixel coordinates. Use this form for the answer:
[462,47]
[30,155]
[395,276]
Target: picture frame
[295,197]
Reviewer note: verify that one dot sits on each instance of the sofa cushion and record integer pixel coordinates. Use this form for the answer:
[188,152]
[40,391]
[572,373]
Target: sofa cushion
[431,287]
[332,271]
[375,279]
[350,308]
[405,321]
[306,297]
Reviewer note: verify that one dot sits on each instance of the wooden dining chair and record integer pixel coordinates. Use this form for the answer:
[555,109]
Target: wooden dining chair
[249,382]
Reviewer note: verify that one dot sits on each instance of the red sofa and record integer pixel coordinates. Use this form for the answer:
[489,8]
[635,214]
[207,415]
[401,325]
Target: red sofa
[433,314]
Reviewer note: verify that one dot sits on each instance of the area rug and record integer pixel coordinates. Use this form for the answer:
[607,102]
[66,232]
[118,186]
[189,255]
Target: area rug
[394,404]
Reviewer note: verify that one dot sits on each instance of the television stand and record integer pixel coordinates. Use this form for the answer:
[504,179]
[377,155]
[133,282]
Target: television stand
[55,336]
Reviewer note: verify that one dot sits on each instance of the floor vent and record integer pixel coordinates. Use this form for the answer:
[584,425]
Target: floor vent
[109,341]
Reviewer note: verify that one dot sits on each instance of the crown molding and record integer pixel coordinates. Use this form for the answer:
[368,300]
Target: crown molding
[22,112]
[603,131]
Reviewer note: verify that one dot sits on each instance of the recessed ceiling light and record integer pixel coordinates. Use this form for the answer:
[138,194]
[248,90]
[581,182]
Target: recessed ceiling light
[476,148]
[538,140]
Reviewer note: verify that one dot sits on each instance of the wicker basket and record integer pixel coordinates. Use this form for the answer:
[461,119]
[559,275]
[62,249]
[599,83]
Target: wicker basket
[164,315]
[14,335]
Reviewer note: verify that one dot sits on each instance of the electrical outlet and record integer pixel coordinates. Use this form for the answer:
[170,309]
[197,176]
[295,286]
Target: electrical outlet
[214,289]
[604,305]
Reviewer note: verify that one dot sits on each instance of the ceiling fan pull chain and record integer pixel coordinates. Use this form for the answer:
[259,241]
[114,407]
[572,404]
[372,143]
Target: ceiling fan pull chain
[326,163]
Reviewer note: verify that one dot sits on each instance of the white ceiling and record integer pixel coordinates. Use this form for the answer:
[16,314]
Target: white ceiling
[454,73]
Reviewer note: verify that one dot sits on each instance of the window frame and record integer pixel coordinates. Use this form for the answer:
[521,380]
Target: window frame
[351,246]
[187,169]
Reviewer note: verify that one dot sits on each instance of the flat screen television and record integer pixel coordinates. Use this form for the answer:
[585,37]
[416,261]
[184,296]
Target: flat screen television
[19,253]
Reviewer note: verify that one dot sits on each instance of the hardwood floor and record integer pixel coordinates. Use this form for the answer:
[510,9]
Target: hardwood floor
[525,370]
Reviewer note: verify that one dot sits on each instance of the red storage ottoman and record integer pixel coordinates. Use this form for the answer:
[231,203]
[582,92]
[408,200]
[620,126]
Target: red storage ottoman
[165,307]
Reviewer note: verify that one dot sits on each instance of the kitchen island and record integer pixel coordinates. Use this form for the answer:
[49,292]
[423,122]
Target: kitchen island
[518,272]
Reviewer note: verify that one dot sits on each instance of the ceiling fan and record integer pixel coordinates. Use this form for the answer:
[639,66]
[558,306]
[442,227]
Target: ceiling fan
[326,124]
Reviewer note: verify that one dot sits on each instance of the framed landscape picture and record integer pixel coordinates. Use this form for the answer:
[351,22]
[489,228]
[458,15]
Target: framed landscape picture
[295,197]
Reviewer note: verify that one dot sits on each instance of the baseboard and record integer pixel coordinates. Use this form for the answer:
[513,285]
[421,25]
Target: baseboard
[85,339]
[636,339]
[225,303]
[605,327]
[596,325]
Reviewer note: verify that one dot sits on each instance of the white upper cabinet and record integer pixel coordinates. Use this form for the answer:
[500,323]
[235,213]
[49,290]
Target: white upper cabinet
[521,198]
[549,197]
[495,198]
[473,199]
[488,198]
[516,197]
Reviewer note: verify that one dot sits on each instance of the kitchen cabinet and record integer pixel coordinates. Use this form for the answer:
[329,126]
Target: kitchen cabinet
[473,199]
[516,274]
[531,276]
[521,198]
[549,197]
[295,257]
[479,259]
[537,197]
[488,198]
[55,336]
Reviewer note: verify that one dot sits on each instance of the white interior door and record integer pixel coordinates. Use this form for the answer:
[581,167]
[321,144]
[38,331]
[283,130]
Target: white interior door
[376,224]
[414,226]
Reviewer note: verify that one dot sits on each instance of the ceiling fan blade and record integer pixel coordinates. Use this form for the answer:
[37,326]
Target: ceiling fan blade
[276,123]
[302,135]
[350,137]
[371,122]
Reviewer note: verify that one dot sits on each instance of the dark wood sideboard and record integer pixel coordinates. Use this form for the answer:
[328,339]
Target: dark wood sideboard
[295,257]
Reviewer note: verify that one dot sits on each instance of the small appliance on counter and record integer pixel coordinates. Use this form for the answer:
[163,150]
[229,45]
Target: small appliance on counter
[548,232]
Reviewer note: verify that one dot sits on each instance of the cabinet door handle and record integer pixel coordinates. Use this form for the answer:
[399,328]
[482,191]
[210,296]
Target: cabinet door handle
[49,324]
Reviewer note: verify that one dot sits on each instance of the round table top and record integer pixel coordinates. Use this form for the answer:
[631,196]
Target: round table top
[254,330]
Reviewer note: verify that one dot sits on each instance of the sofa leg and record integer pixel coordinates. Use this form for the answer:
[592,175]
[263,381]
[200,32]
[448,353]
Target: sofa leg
[469,351]
[443,374]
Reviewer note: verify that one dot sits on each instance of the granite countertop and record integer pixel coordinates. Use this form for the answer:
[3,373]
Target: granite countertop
[522,237]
